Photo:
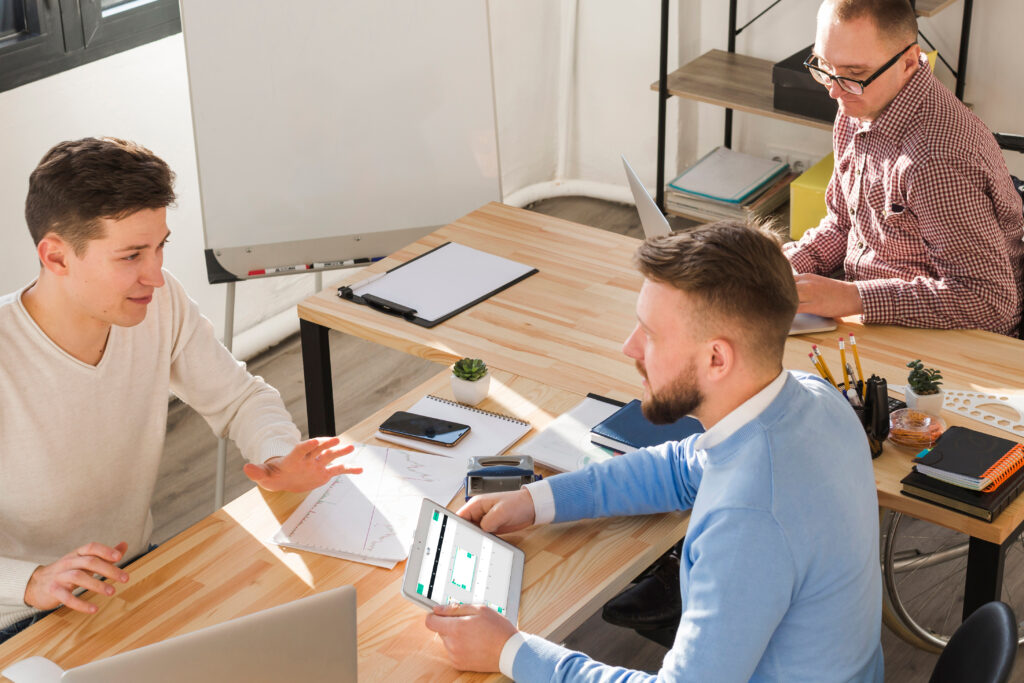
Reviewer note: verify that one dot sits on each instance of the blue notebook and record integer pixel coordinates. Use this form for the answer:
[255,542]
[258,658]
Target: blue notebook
[627,430]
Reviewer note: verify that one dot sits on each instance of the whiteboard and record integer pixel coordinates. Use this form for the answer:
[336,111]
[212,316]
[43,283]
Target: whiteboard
[334,130]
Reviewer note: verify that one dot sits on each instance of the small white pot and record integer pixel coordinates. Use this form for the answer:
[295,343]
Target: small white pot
[468,392]
[930,403]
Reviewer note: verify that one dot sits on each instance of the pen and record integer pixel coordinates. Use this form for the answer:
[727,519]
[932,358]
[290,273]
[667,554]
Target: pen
[347,262]
[842,362]
[279,269]
[853,397]
[856,360]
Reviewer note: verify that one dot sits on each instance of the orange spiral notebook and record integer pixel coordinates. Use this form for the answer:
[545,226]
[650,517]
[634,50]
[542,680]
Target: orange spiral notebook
[970,459]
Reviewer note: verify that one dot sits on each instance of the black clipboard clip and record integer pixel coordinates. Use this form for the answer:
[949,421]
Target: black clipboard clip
[389,307]
[376,302]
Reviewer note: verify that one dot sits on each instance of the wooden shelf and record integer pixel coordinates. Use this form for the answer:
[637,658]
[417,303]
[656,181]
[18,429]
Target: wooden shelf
[735,81]
[929,8]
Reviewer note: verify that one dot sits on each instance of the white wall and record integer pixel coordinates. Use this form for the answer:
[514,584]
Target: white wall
[141,95]
[572,82]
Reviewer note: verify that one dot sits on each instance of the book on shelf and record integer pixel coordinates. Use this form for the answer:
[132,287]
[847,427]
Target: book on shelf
[628,430]
[728,176]
[759,205]
[971,459]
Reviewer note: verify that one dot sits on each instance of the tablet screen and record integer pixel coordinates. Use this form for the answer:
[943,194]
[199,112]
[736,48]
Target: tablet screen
[459,564]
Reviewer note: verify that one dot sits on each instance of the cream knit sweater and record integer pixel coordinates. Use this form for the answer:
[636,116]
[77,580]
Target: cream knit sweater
[80,445]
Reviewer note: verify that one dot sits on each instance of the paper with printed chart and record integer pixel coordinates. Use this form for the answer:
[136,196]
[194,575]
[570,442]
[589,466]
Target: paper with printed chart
[371,517]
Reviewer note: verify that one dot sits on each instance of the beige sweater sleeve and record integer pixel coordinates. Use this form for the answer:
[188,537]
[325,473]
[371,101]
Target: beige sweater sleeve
[233,402]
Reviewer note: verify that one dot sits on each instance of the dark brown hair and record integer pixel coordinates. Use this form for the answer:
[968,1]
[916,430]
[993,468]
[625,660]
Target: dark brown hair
[894,19]
[79,182]
[737,275]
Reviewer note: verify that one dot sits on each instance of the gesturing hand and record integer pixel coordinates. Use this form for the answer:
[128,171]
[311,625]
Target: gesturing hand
[52,585]
[500,513]
[304,469]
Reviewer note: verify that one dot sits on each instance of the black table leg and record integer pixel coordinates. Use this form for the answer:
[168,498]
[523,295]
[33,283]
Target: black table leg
[984,574]
[316,371]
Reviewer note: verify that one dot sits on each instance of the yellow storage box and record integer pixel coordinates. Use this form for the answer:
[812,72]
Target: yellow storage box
[807,197]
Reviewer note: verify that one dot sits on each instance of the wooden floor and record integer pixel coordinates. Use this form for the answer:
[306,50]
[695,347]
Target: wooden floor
[368,376]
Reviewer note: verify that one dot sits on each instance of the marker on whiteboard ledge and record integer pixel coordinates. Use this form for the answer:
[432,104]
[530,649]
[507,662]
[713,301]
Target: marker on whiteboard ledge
[279,269]
[349,262]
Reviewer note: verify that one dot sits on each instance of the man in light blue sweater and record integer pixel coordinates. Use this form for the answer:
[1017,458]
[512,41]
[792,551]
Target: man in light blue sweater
[779,569]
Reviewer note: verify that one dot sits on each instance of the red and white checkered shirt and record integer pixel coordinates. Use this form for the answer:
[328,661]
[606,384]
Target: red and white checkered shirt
[922,215]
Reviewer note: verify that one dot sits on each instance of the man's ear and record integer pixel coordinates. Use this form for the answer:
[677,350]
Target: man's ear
[721,355]
[53,253]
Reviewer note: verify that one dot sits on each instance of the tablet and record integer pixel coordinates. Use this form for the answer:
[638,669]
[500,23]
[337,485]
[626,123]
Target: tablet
[454,562]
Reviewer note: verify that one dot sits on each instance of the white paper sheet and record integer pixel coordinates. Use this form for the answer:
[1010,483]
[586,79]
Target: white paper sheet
[371,517]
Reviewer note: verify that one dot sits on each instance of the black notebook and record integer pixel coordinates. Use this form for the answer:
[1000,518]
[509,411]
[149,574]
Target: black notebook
[978,504]
[627,430]
[971,459]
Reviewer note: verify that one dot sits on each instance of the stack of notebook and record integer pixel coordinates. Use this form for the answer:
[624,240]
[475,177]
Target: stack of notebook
[728,184]
[628,430]
[974,473]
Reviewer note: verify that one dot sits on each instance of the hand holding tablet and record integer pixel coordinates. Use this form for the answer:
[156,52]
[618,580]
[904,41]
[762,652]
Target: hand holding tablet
[452,562]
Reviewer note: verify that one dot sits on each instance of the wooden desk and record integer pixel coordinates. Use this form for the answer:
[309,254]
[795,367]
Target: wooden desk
[565,327]
[221,568]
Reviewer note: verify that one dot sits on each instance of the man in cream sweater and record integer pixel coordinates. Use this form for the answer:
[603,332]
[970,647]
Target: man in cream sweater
[90,351]
[779,569]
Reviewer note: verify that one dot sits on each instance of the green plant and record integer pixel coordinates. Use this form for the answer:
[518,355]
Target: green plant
[923,380]
[469,369]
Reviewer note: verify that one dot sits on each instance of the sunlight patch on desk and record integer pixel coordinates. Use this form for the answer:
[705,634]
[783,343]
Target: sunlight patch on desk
[291,559]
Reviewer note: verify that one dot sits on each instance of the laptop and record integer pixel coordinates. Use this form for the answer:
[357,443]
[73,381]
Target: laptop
[655,225]
[311,639]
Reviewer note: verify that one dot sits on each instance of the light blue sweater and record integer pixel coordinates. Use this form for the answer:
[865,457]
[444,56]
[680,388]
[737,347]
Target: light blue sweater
[779,571]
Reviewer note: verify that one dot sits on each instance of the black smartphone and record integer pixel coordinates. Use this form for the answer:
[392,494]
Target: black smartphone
[423,428]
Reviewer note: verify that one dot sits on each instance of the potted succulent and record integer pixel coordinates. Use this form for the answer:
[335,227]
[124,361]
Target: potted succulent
[470,381]
[922,391]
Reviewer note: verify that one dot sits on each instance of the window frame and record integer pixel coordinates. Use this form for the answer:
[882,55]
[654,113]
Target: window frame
[63,34]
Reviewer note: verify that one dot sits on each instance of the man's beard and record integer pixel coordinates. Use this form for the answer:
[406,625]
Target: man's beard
[680,399]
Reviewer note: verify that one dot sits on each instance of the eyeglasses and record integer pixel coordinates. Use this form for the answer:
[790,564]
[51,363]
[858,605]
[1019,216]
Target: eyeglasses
[850,85]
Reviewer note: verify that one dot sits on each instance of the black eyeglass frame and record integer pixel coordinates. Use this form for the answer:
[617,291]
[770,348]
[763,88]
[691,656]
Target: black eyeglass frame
[845,79]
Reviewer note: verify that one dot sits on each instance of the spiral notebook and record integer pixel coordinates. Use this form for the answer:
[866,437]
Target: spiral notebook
[970,459]
[489,433]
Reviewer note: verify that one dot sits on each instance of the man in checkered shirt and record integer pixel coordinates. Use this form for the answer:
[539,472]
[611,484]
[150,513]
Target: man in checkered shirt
[922,215]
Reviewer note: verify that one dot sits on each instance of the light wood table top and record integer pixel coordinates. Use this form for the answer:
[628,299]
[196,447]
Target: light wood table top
[222,568]
[565,327]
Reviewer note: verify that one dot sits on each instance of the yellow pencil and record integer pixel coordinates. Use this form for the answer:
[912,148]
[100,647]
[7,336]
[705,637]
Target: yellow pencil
[824,366]
[856,361]
[842,361]
[817,367]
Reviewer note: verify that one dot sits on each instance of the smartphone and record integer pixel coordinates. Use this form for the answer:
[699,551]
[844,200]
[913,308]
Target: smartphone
[423,428]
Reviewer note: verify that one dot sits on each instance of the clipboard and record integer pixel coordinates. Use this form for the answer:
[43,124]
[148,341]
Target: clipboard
[436,285]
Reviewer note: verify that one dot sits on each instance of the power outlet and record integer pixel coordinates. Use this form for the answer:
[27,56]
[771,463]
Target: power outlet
[798,161]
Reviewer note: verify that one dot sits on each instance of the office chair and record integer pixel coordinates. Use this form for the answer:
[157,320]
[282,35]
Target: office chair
[982,648]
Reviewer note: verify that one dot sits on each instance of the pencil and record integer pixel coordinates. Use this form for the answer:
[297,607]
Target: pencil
[856,360]
[842,361]
[824,366]
[814,362]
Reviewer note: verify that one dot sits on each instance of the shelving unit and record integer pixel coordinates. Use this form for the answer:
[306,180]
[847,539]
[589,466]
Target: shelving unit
[744,83]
